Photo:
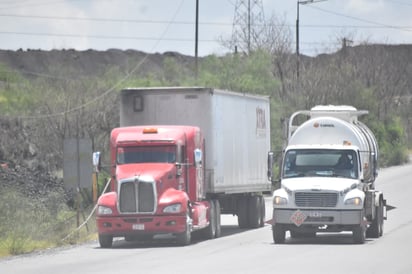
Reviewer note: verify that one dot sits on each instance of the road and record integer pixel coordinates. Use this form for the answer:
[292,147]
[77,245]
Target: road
[247,251]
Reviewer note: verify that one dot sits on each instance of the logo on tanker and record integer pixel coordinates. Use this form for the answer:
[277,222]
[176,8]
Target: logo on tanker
[260,122]
[316,125]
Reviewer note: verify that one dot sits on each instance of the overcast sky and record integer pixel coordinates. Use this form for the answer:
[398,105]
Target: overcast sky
[169,25]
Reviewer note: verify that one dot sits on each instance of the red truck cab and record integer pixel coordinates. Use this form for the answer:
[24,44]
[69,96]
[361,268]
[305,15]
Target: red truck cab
[157,186]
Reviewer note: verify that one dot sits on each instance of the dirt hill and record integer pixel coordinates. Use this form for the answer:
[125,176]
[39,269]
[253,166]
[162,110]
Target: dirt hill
[85,63]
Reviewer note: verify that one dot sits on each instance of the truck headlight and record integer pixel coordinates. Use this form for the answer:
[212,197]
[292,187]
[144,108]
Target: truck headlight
[104,210]
[354,201]
[175,208]
[278,200]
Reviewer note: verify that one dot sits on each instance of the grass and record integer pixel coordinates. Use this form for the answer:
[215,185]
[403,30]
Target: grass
[27,225]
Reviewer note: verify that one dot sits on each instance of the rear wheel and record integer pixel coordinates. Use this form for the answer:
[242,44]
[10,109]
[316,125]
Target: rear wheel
[376,228]
[217,215]
[242,212]
[262,211]
[105,241]
[278,233]
[210,231]
[254,212]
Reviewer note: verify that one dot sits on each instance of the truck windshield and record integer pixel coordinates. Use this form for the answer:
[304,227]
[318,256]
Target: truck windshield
[320,162]
[146,154]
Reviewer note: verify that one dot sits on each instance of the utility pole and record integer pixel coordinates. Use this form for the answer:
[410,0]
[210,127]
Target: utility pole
[196,40]
[300,2]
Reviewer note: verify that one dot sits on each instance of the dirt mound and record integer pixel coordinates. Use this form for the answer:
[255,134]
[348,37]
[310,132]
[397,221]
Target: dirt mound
[20,168]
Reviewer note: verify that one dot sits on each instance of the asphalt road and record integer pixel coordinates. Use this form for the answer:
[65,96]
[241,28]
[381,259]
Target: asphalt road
[247,251]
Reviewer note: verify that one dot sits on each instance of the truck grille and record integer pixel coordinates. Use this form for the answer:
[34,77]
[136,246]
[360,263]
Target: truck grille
[137,197]
[316,199]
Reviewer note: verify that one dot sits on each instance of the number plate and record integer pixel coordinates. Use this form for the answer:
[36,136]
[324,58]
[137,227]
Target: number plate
[138,226]
[315,214]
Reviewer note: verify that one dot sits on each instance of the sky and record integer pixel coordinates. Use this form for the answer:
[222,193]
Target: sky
[158,26]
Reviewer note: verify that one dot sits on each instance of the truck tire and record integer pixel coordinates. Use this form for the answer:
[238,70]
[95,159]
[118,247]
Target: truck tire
[185,237]
[278,233]
[359,234]
[217,215]
[375,230]
[242,212]
[105,241]
[209,232]
[262,211]
[254,211]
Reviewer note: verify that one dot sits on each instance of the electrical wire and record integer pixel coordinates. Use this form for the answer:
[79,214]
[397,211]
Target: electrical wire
[360,19]
[114,87]
[33,3]
[102,36]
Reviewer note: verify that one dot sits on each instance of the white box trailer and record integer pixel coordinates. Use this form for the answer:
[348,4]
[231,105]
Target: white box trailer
[236,127]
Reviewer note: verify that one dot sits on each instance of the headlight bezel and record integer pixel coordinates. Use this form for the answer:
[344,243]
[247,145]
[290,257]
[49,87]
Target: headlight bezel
[279,200]
[354,201]
[173,208]
[104,210]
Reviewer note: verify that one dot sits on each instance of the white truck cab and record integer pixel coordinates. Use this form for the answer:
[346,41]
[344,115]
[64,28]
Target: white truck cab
[327,177]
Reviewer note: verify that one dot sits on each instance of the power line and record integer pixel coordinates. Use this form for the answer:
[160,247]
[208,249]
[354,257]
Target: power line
[399,3]
[34,3]
[101,36]
[111,89]
[122,20]
[360,19]
[139,21]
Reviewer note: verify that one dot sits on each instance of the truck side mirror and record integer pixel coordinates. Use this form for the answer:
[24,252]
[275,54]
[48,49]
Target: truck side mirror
[96,161]
[198,157]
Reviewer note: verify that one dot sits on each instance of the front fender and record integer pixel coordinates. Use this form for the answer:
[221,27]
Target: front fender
[174,196]
[108,199]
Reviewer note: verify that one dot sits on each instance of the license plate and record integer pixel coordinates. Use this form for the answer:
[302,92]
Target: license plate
[315,214]
[138,227]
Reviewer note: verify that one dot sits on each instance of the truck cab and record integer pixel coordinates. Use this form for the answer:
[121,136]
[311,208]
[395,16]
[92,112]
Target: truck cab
[327,177]
[157,184]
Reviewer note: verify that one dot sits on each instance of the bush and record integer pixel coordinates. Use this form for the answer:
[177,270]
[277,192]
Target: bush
[28,224]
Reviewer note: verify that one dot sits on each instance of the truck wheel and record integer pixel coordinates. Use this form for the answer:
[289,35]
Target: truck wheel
[242,212]
[184,238]
[359,234]
[278,233]
[105,241]
[217,215]
[375,230]
[254,212]
[262,211]
[210,231]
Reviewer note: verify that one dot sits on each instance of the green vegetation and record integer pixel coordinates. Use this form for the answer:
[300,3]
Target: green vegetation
[28,224]
[87,107]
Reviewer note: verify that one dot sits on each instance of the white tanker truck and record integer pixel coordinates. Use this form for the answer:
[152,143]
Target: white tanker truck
[327,177]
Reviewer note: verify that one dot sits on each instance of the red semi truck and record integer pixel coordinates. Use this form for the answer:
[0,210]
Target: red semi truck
[181,158]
